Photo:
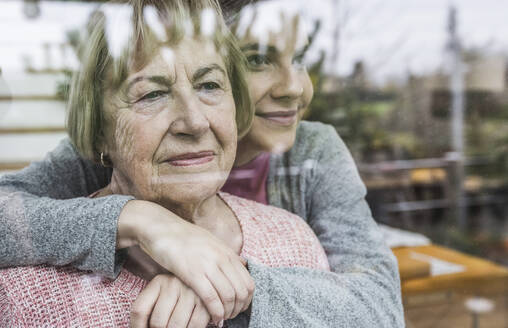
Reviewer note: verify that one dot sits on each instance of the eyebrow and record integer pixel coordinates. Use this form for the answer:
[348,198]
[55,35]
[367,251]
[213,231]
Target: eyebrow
[207,69]
[272,49]
[256,46]
[159,79]
[163,80]
[302,51]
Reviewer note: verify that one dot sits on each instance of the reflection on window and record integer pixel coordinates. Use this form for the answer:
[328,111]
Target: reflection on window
[418,91]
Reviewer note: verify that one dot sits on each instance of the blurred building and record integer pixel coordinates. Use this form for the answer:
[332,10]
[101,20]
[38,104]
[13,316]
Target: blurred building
[483,73]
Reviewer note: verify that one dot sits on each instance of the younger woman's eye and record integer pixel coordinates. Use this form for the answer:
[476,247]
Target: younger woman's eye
[154,95]
[298,60]
[257,60]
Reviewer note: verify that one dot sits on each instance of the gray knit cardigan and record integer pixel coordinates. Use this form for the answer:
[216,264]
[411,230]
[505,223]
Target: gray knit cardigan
[45,217]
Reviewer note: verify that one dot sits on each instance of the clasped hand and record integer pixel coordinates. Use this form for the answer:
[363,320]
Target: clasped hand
[208,279]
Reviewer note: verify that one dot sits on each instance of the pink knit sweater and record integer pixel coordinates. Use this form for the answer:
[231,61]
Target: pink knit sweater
[43,296]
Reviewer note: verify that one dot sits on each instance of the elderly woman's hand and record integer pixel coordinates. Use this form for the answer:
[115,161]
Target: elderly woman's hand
[167,302]
[194,255]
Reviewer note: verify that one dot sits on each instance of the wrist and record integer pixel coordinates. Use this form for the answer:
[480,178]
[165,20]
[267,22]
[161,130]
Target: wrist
[129,224]
[141,222]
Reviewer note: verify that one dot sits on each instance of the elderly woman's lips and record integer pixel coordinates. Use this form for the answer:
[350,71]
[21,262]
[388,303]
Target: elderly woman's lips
[280,117]
[191,158]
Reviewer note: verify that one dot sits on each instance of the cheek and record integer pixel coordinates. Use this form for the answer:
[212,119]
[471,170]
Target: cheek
[225,126]
[268,139]
[229,123]
[135,141]
[124,137]
[308,89]
[258,84]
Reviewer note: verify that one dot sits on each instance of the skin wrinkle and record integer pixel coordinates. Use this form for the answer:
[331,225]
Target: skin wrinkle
[124,135]
[123,141]
[162,80]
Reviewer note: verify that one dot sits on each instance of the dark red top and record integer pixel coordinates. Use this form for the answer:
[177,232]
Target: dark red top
[249,180]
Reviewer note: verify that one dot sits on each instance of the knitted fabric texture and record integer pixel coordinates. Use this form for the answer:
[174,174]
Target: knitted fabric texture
[43,296]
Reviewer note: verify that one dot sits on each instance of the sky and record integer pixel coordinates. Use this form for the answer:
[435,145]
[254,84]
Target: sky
[397,36]
[392,37]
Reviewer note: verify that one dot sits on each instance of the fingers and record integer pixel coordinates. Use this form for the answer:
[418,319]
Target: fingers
[167,302]
[225,290]
[203,287]
[240,289]
[144,304]
[200,317]
[183,309]
[163,309]
[248,282]
[233,289]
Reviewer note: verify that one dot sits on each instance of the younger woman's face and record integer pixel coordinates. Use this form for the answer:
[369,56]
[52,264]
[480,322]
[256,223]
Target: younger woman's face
[280,88]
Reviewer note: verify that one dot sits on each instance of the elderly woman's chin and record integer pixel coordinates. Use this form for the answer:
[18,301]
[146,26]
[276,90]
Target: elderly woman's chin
[188,184]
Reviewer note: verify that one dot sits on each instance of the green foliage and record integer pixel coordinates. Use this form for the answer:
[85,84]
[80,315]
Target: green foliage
[364,120]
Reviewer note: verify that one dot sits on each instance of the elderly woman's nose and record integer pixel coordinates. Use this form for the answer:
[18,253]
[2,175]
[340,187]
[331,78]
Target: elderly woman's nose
[191,120]
[289,84]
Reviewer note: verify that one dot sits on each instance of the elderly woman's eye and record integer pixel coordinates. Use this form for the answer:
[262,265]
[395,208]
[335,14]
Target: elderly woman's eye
[209,86]
[154,95]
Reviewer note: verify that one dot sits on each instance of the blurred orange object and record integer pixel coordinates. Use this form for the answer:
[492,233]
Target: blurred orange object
[438,300]
[410,268]
[427,176]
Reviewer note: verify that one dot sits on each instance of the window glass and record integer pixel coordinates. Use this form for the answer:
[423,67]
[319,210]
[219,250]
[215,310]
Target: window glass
[417,90]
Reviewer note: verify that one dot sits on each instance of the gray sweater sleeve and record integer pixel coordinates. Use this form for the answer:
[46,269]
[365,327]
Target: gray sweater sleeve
[318,180]
[368,280]
[301,297]
[45,216]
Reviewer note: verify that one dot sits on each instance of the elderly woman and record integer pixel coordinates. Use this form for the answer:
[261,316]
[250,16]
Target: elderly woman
[315,178]
[165,115]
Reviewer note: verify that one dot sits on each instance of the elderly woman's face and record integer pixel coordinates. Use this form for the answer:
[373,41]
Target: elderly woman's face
[171,131]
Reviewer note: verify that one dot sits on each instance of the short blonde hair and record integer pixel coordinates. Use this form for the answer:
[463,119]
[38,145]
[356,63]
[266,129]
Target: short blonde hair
[86,117]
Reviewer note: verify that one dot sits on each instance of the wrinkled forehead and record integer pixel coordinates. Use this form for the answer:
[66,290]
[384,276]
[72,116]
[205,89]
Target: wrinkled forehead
[136,36]
[272,23]
[189,54]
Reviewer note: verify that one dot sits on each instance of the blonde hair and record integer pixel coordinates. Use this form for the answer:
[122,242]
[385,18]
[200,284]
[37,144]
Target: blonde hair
[86,117]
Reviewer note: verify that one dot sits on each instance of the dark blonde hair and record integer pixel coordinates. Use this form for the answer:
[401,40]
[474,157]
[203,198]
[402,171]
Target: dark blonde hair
[100,70]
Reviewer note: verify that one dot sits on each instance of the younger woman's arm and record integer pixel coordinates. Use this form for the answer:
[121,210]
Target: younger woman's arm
[301,297]
[320,182]
[46,216]
[341,218]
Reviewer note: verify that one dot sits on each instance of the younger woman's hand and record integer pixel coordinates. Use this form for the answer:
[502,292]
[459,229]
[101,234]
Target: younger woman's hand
[194,255]
[167,302]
